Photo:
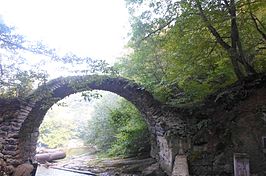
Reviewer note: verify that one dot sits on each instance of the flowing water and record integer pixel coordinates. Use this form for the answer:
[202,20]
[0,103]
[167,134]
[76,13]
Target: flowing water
[42,171]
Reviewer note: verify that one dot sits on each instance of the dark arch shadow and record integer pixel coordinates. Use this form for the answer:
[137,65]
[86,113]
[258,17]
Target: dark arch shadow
[60,88]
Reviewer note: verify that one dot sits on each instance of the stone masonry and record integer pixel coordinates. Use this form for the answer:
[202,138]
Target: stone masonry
[205,135]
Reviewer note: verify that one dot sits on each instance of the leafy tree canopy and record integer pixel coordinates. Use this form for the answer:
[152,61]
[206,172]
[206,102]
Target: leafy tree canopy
[184,49]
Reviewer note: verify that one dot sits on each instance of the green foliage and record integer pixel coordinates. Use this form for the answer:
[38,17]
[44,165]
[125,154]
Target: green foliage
[132,134]
[117,128]
[56,131]
[66,120]
[176,56]
[101,132]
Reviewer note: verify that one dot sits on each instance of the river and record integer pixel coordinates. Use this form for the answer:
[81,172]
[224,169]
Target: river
[42,171]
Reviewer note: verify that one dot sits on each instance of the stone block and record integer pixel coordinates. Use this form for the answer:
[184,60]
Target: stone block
[27,106]
[26,109]
[14,162]
[10,147]
[14,135]
[18,120]
[241,164]
[7,152]
[3,134]
[180,166]
[4,128]
[165,155]
[25,113]
[2,141]
[15,124]
[5,123]
[21,116]
[14,128]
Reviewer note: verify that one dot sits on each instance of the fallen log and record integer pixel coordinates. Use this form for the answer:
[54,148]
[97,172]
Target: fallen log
[48,157]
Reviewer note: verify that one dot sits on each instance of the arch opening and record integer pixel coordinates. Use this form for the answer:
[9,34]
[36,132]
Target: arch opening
[62,87]
[109,124]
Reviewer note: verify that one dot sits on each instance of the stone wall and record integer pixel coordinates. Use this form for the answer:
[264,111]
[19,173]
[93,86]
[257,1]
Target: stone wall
[20,120]
[206,135]
[231,121]
[12,115]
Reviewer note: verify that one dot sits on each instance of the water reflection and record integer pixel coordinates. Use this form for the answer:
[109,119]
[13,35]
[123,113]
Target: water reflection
[42,171]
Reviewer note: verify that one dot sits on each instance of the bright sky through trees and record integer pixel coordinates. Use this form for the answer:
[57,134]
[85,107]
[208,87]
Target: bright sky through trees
[93,28]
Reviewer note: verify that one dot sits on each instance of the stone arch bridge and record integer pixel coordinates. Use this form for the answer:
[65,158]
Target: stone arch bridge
[183,139]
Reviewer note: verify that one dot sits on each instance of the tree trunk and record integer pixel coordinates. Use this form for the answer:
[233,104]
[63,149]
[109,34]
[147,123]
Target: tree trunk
[238,57]
[236,67]
[250,70]
[238,54]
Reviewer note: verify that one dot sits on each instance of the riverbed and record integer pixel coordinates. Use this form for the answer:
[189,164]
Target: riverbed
[88,163]
[42,171]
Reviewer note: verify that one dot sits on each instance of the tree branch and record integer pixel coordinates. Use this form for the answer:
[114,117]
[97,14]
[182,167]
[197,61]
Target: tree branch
[212,49]
[213,31]
[158,29]
[227,5]
[255,20]
[42,51]
[13,44]
[257,26]
[260,23]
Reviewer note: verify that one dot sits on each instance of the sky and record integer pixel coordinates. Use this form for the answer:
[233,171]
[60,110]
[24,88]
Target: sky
[93,28]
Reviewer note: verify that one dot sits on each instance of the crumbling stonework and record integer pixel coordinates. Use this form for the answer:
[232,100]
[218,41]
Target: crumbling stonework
[234,123]
[227,122]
